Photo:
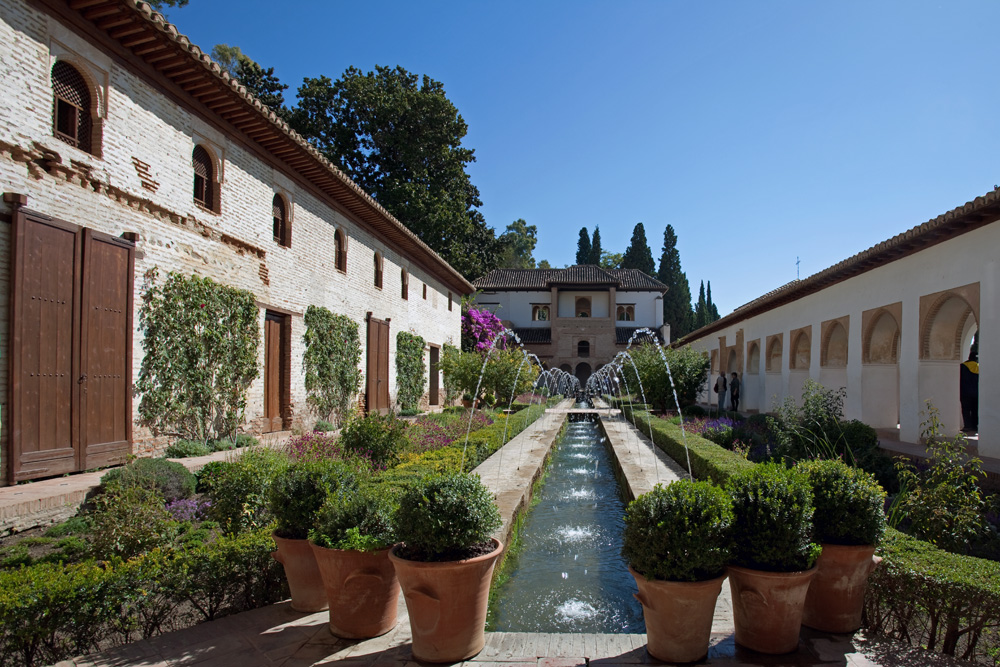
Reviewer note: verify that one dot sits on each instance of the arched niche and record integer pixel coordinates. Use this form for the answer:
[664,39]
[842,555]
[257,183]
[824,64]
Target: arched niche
[833,353]
[800,352]
[946,325]
[582,372]
[753,357]
[774,351]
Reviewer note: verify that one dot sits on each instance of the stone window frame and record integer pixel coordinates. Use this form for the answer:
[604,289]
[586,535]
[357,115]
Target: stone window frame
[207,193]
[75,98]
[583,349]
[753,368]
[826,330]
[772,340]
[795,336]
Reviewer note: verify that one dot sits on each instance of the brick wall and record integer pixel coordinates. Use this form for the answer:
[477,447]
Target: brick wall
[143,183]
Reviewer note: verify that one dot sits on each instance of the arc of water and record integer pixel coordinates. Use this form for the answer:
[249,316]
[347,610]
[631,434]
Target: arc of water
[506,421]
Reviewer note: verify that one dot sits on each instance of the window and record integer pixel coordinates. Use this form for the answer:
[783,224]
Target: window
[583,348]
[625,313]
[204,178]
[540,313]
[340,250]
[449,300]
[405,280]
[282,228]
[378,270]
[583,306]
[72,113]
[425,291]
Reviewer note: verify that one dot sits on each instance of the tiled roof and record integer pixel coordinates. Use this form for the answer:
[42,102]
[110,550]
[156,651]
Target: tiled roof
[534,335]
[977,213]
[579,276]
[624,334]
[133,30]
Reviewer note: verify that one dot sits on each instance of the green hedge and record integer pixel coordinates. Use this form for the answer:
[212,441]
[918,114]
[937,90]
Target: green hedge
[708,460]
[928,597]
[51,612]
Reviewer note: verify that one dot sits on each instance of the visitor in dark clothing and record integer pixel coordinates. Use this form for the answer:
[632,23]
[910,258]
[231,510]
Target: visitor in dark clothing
[968,392]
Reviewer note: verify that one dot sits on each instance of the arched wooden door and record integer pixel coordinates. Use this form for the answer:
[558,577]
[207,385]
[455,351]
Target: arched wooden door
[377,377]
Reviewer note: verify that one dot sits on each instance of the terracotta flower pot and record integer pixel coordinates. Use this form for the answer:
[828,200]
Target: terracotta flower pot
[837,595]
[447,604]
[304,580]
[767,608]
[362,589]
[678,616]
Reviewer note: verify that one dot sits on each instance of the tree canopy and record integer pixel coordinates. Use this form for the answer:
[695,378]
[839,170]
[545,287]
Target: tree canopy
[595,248]
[518,245]
[638,255]
[677,301]
[583,247]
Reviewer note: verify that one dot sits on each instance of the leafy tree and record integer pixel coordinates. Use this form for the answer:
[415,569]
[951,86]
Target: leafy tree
[410,369]
[677,301]
[399,138]
[259,82]
[200,340]
[638,255]
[161,5]
[331,361]
[544,264]
[687,366]
[228,57]
[583,247]
[508,374]
[595,248]
[611,260]
[518,243]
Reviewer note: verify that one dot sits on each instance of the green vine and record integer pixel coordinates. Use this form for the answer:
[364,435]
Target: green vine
[410,369]
[200,340]
[333,352]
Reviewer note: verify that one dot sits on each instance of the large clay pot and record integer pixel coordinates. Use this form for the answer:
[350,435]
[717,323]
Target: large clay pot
[837,595]
[767,608]
[447,603]
[362,589]
[304,580]
[678,616]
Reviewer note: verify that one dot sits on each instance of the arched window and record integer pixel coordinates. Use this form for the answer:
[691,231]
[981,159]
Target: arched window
[340,250]
[404,279]
[540,313]
[204,178]
[583,306]
[72,111]
[425,291]
[282,228]
[378,270]
[583,349]
[625,313]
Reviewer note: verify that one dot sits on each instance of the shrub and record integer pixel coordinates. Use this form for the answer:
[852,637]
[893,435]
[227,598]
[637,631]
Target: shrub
[238,489]
[223,445]
[323,425]
[376,437]
[681,532]
[360,520]
[687,367]
[409,412]
[694,411]
[446,517]
[331,359]
[188,509]
[182,449]
[168,478]
[410,369]
[208,474]
[773,509]
[849,503]
[128,521]
[861,448]
[73,526]
[299,490]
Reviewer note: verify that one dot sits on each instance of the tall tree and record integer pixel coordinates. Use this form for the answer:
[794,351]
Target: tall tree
[583,247]
[399,137]
[518,243]
[544,264]
[677,301]
[595,248]
[710,309]
[638,255]
[701,309]
[611,260]
[259,82]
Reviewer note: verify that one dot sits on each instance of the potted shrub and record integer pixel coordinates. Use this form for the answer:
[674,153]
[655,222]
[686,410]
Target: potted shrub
[295,495]
[351,541]
[849,523]
[773,555]
[445,564]
[467,400]
[677,543]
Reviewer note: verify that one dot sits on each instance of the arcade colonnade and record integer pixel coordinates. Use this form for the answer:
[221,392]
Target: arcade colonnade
[891,325]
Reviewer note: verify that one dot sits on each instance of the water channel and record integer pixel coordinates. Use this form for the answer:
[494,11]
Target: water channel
[569,575]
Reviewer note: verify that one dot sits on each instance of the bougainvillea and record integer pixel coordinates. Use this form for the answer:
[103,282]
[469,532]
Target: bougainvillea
[480,328]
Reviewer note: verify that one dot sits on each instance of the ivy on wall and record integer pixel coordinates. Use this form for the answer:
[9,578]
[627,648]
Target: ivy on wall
[410,369]
[333,352]
[200,340]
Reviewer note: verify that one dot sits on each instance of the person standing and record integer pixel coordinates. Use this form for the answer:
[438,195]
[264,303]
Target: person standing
[968,393]
[720,389]
[734,393]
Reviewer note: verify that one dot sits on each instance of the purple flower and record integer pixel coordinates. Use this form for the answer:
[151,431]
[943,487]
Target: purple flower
[188,509]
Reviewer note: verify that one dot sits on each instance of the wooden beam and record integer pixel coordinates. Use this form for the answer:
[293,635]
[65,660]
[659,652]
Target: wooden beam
[152,48]
[83,4]
[224,106]
[198,85]
[136,41]
[115,22]
[100,12]
[211,96]
[125,32]
[174,71]
[171,59]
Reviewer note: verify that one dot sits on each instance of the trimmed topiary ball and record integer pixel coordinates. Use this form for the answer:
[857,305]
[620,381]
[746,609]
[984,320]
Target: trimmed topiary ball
[360,519]
[297,493]
[849,503]
[168,478]
[446,517]
[773,510]
[681,532]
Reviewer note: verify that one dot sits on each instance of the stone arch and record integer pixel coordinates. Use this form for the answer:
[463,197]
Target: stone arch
[732,364]
[774,351]
[800,353]
[833,351]
[753,357]
[566,367]
[74,86]
[582,306]
[582,372]
[880,344]
[948,320]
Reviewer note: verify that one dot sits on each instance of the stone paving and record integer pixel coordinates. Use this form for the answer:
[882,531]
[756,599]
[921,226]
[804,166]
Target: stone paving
[278,636]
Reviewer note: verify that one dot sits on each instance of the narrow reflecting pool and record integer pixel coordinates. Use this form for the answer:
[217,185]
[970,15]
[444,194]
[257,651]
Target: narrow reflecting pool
[570,575]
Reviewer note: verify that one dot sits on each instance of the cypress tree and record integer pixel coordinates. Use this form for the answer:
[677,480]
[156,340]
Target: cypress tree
[595,248]
[583,247]
[677,301]
[638,255]
[701,310]
[710,309]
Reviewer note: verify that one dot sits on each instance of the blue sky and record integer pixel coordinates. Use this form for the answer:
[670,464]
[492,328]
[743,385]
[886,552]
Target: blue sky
[762,131]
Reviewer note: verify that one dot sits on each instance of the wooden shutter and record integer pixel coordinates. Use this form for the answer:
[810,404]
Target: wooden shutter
[273,371]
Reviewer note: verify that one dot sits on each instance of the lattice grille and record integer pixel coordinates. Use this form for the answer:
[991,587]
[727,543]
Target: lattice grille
[71,107]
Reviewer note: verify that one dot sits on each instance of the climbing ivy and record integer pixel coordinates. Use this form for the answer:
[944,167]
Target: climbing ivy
[410,369]
[200,340]
[333,352]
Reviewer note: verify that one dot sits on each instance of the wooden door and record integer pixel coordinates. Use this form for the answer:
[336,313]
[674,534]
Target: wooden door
[435,375]
[275,371]
[377,380]
[105,351]
[70,353]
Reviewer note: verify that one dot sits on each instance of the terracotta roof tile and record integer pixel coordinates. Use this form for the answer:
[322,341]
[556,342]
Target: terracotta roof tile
[579,275]
[534,335]
[624,334]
